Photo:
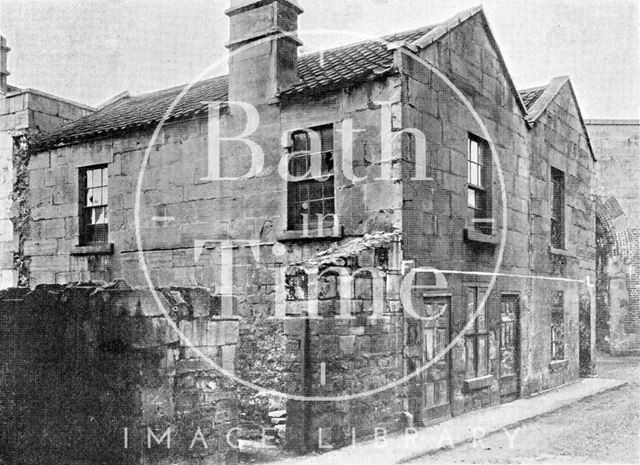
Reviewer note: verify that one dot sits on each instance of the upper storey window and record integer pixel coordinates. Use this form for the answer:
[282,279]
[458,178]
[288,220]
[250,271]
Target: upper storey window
[478,193]
[311,200]
[94,195]
[557,208]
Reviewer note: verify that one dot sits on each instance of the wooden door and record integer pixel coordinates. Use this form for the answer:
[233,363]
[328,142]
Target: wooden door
[509,348]
[436,378]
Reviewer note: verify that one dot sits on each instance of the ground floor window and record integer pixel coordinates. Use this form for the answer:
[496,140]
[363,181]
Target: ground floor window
[477,338]
[557,326]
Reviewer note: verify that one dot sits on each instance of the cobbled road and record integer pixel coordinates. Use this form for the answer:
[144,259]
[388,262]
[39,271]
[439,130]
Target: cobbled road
[600,429]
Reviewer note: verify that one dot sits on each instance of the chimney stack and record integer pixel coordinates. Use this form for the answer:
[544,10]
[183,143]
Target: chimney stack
[263,48]
[4,50]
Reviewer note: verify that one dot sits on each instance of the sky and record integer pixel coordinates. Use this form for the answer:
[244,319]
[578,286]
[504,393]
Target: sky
[91,50]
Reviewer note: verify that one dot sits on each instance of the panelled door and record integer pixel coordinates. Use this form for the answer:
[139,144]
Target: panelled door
[509,343]
[429,396]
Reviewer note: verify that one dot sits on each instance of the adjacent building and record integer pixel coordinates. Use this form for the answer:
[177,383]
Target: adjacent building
[617,147]
[427,246]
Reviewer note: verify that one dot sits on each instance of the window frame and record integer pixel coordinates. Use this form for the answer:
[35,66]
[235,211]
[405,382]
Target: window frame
[295,209]
[557,215]
[480,187]
[476,333]
[90,232]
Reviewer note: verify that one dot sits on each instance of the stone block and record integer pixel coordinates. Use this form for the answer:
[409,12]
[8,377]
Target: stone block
[347,344]
[228,357]
[41,247]
[222,332]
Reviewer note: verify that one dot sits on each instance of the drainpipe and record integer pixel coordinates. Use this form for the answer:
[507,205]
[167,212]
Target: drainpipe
[306,386]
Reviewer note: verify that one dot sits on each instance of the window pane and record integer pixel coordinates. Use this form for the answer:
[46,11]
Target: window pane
[327,188]
[473,151]
[471,193]
[300,142]
[315,208]
[326,136]
[98,215]
[105,176]
[90,182]
[471,305]
[480,204]
[482,320]
[483,362]
[302,191]
[327,163]
[315,190]
[470,358]
[298,165]
[329,208]
[105,195]
[92,197]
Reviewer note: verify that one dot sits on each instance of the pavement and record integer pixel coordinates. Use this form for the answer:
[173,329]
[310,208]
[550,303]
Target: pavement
[402,448]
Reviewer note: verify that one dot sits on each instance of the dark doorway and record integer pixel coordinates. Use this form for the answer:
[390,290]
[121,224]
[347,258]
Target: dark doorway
[509,347]
[584,337]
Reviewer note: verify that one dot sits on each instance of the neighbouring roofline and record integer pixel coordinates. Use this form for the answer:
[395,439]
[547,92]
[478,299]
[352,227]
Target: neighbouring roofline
[612,122]
[47,95]
[552,89]
[114,99]
[444,28]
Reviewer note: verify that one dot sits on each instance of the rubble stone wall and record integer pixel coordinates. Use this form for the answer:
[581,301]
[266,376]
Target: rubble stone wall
[94,374]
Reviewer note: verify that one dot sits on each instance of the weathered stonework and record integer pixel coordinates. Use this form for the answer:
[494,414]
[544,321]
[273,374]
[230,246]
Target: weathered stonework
[617,145]
[88,371]
[24,115]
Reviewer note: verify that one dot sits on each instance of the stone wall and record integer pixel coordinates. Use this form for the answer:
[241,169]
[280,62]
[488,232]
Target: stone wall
[91,374]
[559,140]
[354,345]
[617,147]
[23,114]
[436,217]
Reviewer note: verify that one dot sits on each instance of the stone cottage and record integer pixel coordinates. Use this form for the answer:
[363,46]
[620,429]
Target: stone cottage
[617,146]
[402,233]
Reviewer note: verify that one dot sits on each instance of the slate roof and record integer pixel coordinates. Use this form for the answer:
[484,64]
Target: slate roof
[334,68]
[530,96]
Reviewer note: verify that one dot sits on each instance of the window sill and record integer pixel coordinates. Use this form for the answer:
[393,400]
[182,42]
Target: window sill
[314,235]
[561,252]
[96,249]
[471,235]
[477,383]
[556,365]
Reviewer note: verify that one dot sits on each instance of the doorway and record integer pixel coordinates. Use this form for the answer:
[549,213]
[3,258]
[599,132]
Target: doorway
[509,347]
[430,397]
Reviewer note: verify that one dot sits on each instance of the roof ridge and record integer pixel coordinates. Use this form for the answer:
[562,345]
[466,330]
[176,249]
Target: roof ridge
[531,89]
[177,87]
[378,39]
